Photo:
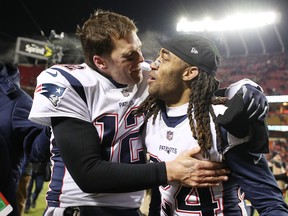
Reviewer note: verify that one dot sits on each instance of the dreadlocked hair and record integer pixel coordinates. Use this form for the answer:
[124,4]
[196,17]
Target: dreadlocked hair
[150,107]
[200,108]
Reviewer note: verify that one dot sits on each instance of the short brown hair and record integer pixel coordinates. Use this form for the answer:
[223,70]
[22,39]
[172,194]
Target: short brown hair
[97,33]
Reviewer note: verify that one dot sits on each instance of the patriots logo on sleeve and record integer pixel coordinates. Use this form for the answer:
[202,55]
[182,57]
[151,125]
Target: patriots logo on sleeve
[51,91]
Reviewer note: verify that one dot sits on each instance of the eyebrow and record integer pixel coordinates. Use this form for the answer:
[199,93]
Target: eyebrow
[166,51]
[130,52]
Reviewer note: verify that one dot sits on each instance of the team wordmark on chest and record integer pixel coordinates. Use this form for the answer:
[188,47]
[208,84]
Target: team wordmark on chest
[126,104]
[168,149]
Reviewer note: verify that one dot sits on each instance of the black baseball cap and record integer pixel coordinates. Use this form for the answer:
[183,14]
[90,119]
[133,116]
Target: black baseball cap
[196,50]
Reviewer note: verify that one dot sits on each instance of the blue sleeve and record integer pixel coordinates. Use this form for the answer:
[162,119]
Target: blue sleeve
[235,121]
[40,151]
[256,180]
[32,137]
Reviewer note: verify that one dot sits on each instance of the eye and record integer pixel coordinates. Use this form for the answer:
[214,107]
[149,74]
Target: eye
[165,56]
[133,56]
[130,58]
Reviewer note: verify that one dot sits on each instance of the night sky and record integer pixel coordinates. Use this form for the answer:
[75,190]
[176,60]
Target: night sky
[35,19]
[26,17]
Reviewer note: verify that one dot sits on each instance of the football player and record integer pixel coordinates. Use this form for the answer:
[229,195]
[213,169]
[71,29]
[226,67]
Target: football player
[182,112]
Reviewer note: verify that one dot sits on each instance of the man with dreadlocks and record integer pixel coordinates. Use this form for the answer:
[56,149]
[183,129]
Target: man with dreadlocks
[186,114]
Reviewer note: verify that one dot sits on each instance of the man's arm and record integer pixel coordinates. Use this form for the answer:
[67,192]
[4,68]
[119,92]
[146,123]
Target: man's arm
[80,149]
[245,115]
[40,151]
[247,105]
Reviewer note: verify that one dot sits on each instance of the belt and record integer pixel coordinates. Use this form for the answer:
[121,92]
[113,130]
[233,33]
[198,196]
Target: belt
[99,210]
[72,211]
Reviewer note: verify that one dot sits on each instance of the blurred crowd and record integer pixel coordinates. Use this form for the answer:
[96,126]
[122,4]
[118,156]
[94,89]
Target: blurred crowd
[279,146]
[269,70]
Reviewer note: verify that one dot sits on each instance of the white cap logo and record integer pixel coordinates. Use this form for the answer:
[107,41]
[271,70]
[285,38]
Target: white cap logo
[194,50]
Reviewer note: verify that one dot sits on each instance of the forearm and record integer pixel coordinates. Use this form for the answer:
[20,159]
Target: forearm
[106,177]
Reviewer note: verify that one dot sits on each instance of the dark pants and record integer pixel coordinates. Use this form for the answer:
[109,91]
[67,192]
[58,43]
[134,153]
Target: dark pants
[38,179]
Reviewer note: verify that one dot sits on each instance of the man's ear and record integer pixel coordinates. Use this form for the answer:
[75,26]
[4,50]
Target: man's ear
[99,62]
[190,73]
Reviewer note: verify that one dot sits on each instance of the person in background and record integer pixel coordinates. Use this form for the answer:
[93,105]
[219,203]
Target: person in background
[38,177]
[278,168]
[182,112]
[97,152]
[21,136]
[25,177]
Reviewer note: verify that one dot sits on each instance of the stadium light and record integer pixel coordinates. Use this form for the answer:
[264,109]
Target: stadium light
[278,128]
[233,22]
[277,99]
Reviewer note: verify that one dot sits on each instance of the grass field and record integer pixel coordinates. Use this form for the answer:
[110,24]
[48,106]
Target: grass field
[41,204]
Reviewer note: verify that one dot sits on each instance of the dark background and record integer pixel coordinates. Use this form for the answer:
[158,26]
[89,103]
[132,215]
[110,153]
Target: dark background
[156,19]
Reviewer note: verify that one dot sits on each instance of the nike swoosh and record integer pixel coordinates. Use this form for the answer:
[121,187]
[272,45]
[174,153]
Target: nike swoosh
[52,74]
[256,161]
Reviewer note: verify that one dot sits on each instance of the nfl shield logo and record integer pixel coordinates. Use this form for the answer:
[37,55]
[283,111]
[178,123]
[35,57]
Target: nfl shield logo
[125,92]
[169,135]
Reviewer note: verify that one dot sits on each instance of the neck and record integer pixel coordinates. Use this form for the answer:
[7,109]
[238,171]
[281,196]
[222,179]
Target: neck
[178,100]
[177,111]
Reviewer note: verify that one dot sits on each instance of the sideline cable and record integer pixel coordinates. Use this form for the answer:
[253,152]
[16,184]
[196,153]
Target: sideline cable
[32,18]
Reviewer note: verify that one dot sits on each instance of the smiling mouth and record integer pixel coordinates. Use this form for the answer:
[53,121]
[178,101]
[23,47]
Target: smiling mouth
[135,70]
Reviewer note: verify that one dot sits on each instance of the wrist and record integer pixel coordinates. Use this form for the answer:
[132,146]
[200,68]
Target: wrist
[169,171]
